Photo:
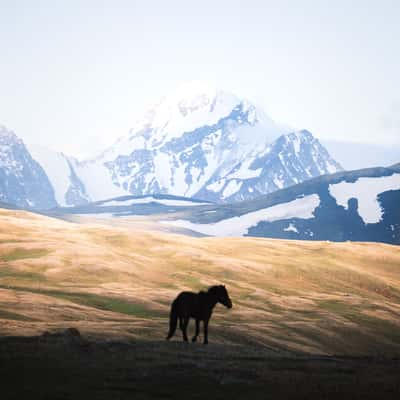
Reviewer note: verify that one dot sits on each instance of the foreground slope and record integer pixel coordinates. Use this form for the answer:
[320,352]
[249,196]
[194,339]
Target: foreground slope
[312,297]
[65,365]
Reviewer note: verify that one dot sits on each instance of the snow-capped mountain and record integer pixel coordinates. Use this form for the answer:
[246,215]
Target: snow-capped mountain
[290,159]
[23,182]
[196,142]
[189,137]
[360,205]
[205,143]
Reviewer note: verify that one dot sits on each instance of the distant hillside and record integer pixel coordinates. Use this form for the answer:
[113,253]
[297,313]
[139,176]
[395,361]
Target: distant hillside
[360,205]
[8,206]
[134,205]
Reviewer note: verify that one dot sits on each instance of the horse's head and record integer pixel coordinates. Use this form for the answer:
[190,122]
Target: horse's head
[221,295]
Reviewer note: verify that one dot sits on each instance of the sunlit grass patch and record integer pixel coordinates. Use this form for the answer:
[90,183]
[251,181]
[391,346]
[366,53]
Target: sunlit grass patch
[188,279]
[6,241]
[335,306]
[22,253]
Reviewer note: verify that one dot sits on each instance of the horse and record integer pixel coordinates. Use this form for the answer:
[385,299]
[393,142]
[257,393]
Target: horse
[198,306]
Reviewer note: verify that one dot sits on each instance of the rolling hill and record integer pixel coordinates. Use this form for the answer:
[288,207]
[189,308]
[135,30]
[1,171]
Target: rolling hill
[299,296]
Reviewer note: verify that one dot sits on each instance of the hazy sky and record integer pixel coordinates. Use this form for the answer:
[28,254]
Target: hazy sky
[75,75]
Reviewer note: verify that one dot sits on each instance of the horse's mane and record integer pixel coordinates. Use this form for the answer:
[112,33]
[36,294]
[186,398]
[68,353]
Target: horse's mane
[208,291]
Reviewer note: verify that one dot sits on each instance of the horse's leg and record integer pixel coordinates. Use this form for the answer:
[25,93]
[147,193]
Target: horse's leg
[197,330]
[181,323]
[185,324]
[205,331]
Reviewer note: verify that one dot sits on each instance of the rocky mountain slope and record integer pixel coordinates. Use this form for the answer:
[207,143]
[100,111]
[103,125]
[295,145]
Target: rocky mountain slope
[23,182]
[61,171]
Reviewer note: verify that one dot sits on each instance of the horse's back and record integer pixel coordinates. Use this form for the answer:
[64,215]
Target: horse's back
[187,303]
[186,297]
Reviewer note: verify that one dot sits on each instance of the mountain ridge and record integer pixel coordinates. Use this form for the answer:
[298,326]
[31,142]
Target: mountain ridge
[210,144]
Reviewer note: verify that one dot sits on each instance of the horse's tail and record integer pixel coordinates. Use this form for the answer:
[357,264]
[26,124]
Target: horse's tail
[173,319]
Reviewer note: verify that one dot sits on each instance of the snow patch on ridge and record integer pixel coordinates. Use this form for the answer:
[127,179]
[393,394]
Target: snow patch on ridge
[291,228]
[239,226]
[231,188]
[216,186]
[366,191]
[244,172]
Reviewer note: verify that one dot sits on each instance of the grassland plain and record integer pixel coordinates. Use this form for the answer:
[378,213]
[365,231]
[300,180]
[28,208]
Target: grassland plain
[293,300]
[314,297]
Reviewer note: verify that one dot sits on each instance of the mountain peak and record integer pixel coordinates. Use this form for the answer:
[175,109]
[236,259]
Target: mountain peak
[300,135]
[23,182]
[8,134]
[192,91]
[197,99]
[197,92]
[189,106]
[195,107]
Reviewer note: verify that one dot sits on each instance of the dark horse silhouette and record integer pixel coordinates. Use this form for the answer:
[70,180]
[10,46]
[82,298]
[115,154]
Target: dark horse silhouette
[198,306]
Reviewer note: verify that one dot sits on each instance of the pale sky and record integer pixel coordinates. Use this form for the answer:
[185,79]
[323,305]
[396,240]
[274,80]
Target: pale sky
[75,75]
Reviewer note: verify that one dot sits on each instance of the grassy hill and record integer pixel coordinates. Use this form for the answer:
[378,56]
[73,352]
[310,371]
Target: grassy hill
[115,282]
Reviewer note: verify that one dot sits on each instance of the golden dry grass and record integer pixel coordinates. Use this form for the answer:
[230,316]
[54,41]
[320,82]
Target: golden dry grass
[316,297]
